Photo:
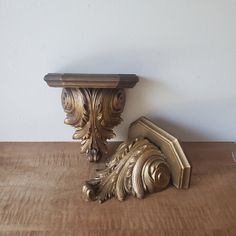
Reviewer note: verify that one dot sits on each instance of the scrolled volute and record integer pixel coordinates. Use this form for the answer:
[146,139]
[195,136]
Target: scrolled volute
[138,167]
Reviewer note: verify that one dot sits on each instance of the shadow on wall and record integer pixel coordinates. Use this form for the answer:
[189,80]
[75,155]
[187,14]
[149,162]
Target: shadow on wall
[182,132]
[149,98]
[142,100]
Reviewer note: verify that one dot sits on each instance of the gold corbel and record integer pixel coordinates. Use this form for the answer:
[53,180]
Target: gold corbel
[148,162]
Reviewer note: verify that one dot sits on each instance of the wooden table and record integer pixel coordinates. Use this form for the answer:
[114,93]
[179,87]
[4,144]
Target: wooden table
[40,194]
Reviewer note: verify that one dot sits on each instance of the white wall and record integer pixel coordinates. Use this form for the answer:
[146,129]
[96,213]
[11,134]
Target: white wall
[184,51]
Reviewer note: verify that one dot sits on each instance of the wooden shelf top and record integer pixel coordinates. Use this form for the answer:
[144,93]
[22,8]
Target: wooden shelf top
[91,80]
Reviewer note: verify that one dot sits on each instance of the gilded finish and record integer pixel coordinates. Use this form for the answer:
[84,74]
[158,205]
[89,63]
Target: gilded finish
[68,80]
[136,168]
[169,145]
[93,113]
[93,104]
[143,164]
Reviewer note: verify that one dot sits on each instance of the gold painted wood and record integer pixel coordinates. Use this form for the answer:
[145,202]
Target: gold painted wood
[93,104]
[91,80]
[136,168]
[143,164]
[93,113]
[169,145]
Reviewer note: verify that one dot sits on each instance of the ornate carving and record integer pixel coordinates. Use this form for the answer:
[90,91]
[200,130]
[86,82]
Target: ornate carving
[136,168]
[93,113]
[179,166]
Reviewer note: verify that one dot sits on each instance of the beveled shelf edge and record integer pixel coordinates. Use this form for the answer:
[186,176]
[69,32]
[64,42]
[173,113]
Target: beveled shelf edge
[69,80]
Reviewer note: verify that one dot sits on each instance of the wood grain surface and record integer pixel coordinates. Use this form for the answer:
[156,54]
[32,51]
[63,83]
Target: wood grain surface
[40,194]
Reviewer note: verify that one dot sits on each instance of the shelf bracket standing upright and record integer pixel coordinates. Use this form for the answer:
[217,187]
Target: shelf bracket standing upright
[93,104]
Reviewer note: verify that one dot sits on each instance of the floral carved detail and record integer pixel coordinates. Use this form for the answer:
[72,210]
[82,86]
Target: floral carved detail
[93,113]
[136,168]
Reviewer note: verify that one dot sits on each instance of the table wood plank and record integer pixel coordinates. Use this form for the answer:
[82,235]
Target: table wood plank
[40,194]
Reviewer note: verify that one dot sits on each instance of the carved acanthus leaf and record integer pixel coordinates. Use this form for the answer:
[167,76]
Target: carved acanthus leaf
[94,113]
[137,166]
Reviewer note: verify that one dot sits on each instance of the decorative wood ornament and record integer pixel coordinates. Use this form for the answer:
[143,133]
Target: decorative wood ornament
[93,104]
[170,146]
[93,113]
[144,164]
[137,167]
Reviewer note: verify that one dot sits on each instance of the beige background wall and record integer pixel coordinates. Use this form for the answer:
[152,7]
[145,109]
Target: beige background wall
[184,52]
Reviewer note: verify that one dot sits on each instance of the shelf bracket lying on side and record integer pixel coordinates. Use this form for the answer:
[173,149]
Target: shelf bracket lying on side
[148,162]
